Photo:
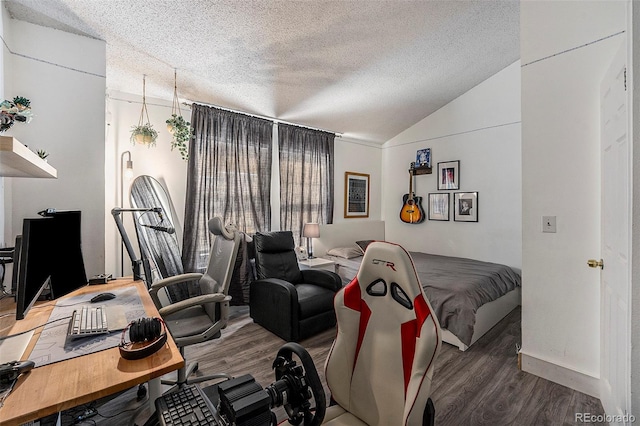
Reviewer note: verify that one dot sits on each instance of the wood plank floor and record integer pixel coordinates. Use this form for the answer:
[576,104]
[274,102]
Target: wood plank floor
[481,386]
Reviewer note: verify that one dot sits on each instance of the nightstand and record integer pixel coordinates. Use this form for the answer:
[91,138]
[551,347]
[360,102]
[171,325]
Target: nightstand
[318,263]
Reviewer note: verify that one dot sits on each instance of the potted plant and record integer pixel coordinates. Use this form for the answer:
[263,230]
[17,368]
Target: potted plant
[177,125]
[11,111]
[144,134]
[181,131]
[42,154]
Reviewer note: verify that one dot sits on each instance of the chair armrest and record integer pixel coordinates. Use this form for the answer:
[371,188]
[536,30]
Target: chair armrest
[320,277]
[276,282]
[273,303]
[193,301]
[176,279]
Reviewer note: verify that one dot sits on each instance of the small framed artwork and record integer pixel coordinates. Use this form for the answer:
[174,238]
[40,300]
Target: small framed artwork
[449,175]
[465,206]
[423,158]
[439,206]
[356,195]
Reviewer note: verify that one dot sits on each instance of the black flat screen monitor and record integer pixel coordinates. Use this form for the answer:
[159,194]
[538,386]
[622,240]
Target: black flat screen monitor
[16,263]
[68,271]
[33,259]
[51,252]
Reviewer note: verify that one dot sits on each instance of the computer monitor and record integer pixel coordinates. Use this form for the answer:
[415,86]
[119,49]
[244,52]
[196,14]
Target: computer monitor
[68,272]
[51,253]
[17,249]
[34,263]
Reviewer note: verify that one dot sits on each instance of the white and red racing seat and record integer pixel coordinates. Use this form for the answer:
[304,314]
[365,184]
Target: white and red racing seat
[380,366]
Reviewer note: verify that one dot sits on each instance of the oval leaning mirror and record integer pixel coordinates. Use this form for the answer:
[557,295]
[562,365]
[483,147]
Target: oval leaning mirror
[156,232]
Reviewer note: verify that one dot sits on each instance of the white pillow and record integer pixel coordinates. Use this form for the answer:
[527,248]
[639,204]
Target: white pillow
[345,252]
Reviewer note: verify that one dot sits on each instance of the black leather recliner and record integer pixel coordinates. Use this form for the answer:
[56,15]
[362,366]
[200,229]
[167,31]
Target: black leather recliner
[290,303]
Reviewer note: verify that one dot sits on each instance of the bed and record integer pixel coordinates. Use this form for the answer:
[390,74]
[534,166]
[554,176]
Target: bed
[468,296]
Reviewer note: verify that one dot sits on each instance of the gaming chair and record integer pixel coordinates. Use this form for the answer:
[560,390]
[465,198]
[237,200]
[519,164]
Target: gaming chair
[380,366]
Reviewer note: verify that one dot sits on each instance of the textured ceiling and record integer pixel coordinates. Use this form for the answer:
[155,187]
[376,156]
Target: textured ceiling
[367,69]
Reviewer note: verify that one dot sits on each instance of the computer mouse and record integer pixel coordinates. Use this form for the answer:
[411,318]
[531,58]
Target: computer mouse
[102,297]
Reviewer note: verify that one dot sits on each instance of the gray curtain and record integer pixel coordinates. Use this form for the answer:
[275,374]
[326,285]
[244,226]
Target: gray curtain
[306,177]
[228,175]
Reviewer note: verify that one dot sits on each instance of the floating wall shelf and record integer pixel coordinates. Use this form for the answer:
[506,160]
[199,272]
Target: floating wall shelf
[422,170]
[16,160]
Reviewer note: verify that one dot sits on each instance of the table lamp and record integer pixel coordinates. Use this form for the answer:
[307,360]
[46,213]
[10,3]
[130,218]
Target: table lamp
[310,231]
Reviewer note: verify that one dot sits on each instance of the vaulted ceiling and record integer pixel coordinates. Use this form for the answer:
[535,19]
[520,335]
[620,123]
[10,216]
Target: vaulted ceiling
[366,69]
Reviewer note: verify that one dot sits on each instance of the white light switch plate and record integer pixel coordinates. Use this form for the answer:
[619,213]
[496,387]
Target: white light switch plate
[549,224]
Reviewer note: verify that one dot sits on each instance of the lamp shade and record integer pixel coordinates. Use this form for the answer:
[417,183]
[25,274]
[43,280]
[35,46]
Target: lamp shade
[128,171]
[311,230]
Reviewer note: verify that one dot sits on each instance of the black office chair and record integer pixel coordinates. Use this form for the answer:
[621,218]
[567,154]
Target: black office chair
[201,318]
[290,303]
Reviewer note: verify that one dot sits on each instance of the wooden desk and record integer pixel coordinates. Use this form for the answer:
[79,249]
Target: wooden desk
[55,387]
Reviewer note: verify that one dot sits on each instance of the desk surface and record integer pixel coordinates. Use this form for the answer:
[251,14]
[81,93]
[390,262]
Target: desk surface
[66,384]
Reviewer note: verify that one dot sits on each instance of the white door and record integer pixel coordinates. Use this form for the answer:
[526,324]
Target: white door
[615,339]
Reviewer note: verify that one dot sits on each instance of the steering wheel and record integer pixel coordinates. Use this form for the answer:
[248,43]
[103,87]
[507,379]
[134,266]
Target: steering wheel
[305,382]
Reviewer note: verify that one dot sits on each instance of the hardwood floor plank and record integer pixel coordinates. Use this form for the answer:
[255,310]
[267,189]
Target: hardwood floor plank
[504,400]
[551,403]
[583,404]
[481,386]
[503,395]
[467,386]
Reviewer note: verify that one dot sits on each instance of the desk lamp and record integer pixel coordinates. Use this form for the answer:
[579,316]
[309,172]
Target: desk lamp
[310,231]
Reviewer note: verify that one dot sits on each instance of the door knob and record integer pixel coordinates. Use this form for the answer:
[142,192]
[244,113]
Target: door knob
[595,263]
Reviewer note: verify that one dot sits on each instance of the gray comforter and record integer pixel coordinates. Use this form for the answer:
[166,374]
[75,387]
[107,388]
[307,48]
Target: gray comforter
[456,287]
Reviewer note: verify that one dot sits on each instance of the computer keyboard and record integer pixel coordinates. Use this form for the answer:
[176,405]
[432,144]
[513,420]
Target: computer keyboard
[88,321]
[188,405]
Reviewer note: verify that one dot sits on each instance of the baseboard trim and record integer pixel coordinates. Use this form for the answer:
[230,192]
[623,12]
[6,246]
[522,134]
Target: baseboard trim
[561,375]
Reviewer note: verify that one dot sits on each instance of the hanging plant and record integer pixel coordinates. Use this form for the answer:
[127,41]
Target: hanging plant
[177,125]
[11,111]
[144,133]
[181,131]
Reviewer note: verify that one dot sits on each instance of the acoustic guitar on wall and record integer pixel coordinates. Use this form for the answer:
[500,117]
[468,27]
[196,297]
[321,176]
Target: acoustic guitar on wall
[412,211]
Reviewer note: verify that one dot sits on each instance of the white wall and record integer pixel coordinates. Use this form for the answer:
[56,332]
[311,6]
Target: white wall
[562,66]
[66,90]
[635,278]
[354,156]
[123,111]
[481,129]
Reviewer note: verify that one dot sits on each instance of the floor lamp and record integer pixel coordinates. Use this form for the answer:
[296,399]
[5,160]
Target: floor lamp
[128,173]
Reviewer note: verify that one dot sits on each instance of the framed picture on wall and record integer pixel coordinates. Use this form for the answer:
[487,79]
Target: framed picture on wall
[465,206]
[356,195]
[439,206]
[423,158]
[449,175]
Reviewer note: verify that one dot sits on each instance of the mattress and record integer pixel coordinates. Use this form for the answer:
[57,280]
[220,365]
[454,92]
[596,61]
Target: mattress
[456,287]
[346,268]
